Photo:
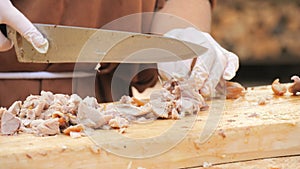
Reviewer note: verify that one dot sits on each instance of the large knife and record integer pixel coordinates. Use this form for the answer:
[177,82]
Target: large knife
[76,44]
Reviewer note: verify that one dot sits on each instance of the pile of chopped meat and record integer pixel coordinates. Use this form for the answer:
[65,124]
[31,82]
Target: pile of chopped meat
[44,114]
[50,114]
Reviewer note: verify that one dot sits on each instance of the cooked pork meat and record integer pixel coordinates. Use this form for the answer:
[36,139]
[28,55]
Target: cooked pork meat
[295,87]
[234,90]
[177,99]
[161,109]
[129,109]
[75,134]
[78,128]
[175,114]
[2,110]
[47,127]
[9,123]
[91,116]
[125,99]
[51,114]
[15,107]
[118,122]
[137,102]
[278,88]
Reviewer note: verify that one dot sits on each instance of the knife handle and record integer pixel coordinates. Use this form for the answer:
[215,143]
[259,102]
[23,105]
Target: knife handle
[3,29]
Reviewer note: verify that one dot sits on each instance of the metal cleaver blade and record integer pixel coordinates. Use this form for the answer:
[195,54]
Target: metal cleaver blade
[76,44]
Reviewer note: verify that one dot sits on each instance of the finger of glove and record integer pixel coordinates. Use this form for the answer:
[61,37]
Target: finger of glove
[199,74]
[202,68]
[221,87]
[213,79]
[232,66]
[21,24]
[229,59]
[205,63]
[5,44]
[195,36]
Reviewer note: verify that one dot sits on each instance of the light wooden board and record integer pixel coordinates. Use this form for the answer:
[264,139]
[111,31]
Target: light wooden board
[292,162]
[245,131]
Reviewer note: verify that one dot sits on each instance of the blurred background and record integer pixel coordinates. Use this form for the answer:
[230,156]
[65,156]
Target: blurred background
[264,34]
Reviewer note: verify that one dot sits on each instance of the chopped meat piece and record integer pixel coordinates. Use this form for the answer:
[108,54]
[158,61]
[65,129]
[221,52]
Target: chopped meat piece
[75,99]
[73,104]
[95,149]
[137,102]
[207,165]
[175,114]
[295,87]
[35,123]
[48,127]
[161,109]
[72,119]
[78,128]
[122,130]
[61,99]
[146,109]
[31,101]
[62,119]
[126,100]
[128,109]
[92,102]
[57,114]
[2,110]
[75,134]
[26,122]
[15,108]
[9,123]
[278,88]
[26,130]
[48,97]
[262,101]
[30,114]
[47,114]
[39,108]
[163,94]
[91,117]
[234,90]
[186,106]
[118,122]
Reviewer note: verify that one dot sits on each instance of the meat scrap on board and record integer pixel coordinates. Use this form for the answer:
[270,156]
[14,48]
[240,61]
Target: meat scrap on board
[295,87]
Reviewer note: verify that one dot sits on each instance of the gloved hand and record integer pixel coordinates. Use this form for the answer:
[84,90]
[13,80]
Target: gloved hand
[210,68]
[13,17]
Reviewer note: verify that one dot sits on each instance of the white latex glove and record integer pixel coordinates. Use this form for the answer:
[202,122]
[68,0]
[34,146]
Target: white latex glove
[216,64]
[11,16]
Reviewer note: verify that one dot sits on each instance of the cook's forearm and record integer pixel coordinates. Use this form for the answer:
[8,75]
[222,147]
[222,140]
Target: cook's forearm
[181,14]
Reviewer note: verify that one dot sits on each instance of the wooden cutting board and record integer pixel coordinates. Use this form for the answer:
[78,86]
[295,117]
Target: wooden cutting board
[246,131]
[290,162]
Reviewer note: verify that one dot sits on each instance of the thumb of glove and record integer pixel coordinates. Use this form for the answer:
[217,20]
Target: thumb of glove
[14,18]
[37,40]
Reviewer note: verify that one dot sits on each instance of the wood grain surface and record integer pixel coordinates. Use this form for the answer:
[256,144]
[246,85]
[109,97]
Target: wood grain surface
[237,130]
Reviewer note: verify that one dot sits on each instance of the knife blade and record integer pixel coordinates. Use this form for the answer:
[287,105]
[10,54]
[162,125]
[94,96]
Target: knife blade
[76,44]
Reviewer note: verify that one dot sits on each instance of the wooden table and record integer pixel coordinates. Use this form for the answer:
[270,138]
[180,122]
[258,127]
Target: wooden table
[244,130]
